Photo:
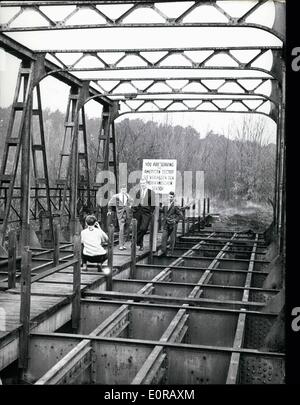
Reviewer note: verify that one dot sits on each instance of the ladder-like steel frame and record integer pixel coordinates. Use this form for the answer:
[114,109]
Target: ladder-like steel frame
[19,144]
[70,156]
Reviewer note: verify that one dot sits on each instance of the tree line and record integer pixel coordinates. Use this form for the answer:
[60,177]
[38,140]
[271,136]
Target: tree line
[239,167]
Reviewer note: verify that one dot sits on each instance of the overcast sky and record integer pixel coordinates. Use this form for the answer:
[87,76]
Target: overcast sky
[55,94]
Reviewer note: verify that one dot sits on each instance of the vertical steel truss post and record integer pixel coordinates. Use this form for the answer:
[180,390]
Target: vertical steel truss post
[84,181]
[24,83]
[25,176]
[106,155]
[279,196]
[106,119]
[69,159]
[276,205]
[41,180]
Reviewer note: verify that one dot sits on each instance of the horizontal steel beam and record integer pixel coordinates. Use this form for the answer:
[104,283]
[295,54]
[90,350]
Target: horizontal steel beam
[182,96]
[221,259]
[203,286]
[155,343]
[171,50]
[191,309]
[94,2]
[160,266]
[61,26]
[179,78]
[170,67]
[160,298]
[199,111]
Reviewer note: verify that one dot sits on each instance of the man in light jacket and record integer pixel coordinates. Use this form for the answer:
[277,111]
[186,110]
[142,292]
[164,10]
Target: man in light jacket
[121,202]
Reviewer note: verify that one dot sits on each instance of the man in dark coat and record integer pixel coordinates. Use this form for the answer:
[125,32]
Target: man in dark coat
[142,209]
[172,214]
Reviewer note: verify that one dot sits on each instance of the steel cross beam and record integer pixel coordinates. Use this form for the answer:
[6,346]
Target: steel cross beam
[174,66]
[211,105]
[190,58]
[222,19]
[20,51]
[182,85]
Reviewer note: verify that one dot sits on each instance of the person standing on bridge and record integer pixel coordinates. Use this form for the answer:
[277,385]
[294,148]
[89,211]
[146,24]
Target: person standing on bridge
[122,203]
[143,208]
[92,238]
[172,215]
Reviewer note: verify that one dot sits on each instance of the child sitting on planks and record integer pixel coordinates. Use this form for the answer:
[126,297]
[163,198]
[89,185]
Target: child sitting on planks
[92,238]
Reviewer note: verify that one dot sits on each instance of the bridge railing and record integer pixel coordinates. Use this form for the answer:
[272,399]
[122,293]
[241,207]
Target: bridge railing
[38,201]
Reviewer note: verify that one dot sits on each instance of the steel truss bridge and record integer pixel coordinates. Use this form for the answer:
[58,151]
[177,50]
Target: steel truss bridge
[227,79]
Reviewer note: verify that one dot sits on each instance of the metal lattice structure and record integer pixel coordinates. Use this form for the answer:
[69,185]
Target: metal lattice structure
[227,79]
[200,315]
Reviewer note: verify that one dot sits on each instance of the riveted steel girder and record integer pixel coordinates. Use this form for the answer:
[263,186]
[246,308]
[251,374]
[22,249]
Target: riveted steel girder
[223,18]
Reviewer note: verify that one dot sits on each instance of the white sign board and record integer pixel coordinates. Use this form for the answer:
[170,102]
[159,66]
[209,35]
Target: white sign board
[160,174]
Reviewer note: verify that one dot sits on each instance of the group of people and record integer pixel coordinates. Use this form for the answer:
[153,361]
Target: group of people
[142,209]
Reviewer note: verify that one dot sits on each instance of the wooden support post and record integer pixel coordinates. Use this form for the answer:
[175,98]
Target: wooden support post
[199,215]
[42,227]
[159,220]
[25,307]
[208,205]
[60,199]
[204,208]
[151,239]
[76,283]
[155,228]
[133,248]
[12,246]
[175,238]
[188,219]
[193,219]
[110,255]
[56,245]
[183,223]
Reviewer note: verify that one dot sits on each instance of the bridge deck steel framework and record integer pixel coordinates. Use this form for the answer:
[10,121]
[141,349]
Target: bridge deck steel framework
[91,87]
[198,317]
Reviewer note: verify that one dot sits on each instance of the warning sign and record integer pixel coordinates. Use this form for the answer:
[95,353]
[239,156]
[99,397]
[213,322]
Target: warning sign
[160,174]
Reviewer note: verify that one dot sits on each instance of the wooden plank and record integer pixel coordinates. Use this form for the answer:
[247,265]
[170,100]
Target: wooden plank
[68,278]
[53,270]
[76,283]
[151,240]
[56,245]
[11,306]
[25,308]
[109,282]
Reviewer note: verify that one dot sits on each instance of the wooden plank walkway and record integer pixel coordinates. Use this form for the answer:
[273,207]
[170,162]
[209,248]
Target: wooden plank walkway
[48,296]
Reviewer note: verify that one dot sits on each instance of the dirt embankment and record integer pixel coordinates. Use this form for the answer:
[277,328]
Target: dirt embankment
[255,217]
